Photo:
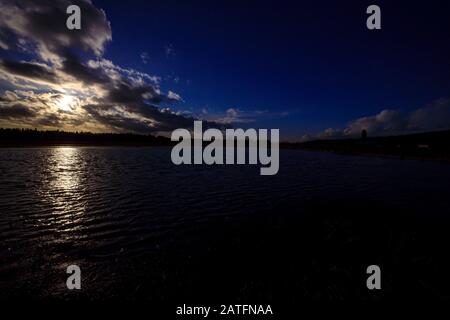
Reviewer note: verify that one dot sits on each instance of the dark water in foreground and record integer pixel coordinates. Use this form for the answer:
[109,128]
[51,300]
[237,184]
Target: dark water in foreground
[142,228]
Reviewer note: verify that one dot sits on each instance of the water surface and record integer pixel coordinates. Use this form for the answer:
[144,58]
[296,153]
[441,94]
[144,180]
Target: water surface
[128,215]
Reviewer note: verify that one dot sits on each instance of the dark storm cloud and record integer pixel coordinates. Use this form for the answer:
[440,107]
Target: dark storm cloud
[15,111]
[72,66]
[125,93]
[167,120]
[44,22]
[29,70]
[155,120]
[50,120]
[116,120]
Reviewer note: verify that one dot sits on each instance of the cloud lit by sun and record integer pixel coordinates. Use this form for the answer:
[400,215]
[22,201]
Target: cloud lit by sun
[62,81]
[66,103]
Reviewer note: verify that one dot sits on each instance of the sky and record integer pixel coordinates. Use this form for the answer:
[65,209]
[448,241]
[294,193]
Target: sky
[309,68]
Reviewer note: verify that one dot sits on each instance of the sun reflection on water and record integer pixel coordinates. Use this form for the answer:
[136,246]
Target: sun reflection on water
[65,163]
[65,189]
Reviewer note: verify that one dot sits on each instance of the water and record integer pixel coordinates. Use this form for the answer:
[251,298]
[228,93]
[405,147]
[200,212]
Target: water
[140,226]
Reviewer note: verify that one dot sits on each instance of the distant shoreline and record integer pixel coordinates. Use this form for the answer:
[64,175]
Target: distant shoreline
[74,145]
[34,138]
[420,146]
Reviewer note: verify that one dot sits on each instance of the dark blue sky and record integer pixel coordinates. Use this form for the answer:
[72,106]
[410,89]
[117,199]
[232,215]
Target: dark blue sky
[301,66]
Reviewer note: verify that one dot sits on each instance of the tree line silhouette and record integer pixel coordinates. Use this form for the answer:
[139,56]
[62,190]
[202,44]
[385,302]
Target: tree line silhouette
[431,145]
[34,137]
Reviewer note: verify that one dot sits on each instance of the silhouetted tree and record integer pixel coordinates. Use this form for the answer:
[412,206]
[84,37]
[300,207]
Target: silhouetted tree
[364,134]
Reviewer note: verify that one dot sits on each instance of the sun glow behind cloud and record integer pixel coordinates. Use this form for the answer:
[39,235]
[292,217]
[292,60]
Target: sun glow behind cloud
[55,87]
[65,103]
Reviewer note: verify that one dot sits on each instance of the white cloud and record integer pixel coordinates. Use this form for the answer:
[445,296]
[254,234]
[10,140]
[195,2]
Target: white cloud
[434,116]
[174,96]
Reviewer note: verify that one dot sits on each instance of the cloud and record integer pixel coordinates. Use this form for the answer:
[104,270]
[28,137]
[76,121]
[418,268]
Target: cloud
[387,121]
[115,71]
[61,88]
[43,23]
[83,73]
[29,70]
[174,96]
[232,116]
[169,51]
[434,116]
[236,116]
[15,111]
[31,109]
[144,57]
